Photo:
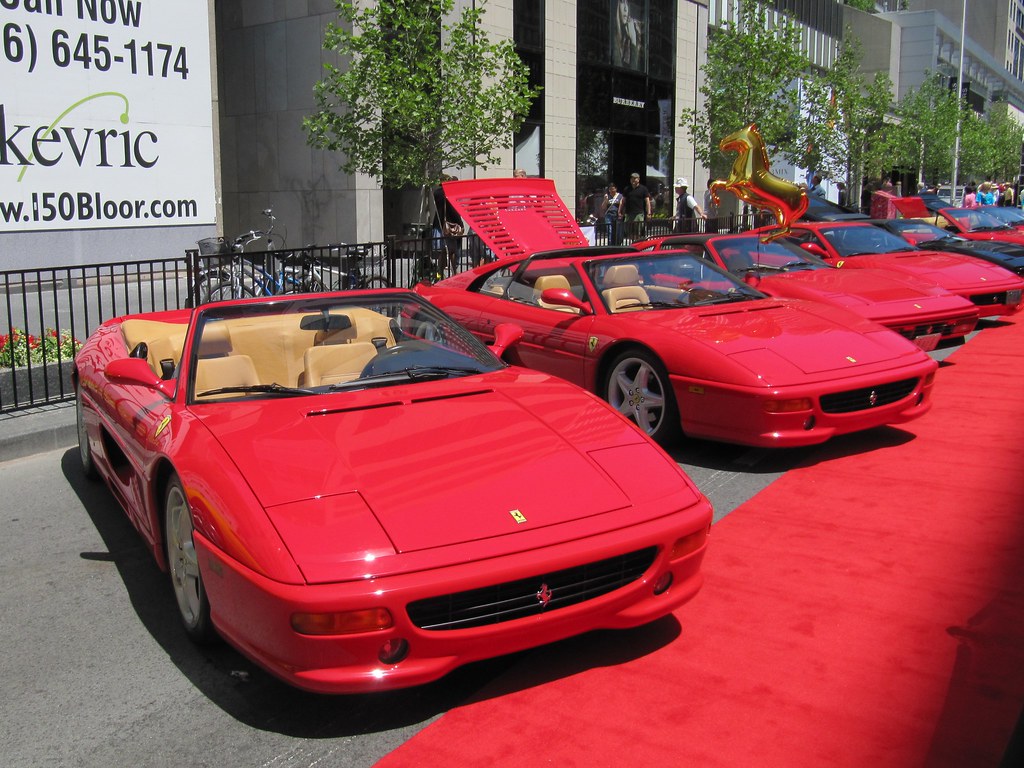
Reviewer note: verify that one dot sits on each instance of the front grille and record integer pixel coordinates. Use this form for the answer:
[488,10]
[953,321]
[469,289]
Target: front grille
[925,330]
[861,399]
[989,299]
[517,599]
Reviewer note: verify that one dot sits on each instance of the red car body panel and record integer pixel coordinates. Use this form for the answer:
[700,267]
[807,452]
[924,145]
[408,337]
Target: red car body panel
[977,224]
[995,291]
[729,364]
[920,311]
[375,497]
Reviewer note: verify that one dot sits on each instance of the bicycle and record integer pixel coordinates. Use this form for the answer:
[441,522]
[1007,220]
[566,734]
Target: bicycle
[223,282]
[363,272]
[425,269]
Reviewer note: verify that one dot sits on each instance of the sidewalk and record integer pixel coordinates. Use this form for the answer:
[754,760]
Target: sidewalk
[36,430]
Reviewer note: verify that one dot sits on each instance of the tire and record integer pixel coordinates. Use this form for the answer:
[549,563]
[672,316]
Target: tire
[225,292]
[183,564]
[313,285]
[84,450]
[376,281]
[638,387]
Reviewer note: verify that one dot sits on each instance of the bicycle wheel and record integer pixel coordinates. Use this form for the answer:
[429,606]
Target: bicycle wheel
[313,285]
[378,281]
[226,292]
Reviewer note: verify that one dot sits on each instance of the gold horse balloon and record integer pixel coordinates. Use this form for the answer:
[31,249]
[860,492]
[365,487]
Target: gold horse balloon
[752,182]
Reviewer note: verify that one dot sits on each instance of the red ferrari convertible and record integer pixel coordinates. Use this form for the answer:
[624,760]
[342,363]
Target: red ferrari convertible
[358,495]
[919,311]
[672,341]
[993,290]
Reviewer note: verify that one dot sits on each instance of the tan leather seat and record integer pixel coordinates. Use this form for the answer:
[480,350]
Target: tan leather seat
[232,371]
[552,281]
[335,363]
[215,340]
[622,291]
[217,367]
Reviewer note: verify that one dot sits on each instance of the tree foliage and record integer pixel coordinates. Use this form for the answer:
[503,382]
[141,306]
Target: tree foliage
[990,145]
[417,91]
[925,131]
[844,123]
[752,64]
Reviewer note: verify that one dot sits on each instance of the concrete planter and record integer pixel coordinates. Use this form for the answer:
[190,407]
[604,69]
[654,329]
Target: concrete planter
[35,385]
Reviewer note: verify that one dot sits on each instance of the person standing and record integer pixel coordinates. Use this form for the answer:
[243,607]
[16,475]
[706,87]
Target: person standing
[612,205]
[687,208]
[447,230]
[816,189]
[635,208]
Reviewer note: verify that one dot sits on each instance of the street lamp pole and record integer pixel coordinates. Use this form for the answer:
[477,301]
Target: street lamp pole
[959,107]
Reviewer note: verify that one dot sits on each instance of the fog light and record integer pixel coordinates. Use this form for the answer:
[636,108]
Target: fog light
[342,622]
[663,583]
[788,406]
[393,651]
[809,423]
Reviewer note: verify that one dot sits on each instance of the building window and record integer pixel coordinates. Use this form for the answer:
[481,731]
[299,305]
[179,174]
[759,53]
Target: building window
[528,34]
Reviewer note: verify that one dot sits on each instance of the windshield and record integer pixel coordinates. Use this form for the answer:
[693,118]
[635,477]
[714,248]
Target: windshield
[974,219]
[864,239]
[741,254]
[653,281]
[920,231]
[1011,216]
[321,343]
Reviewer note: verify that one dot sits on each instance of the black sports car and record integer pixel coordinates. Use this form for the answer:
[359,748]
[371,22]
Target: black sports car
[820,209]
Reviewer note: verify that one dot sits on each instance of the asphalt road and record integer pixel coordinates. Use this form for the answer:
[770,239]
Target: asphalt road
[97,671]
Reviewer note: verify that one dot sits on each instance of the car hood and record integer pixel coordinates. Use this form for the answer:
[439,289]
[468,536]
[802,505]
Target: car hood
[873,293]
[952,271]
[783,341]
[428,465]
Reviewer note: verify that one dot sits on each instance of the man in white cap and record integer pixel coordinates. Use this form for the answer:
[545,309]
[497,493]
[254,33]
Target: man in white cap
[687,208]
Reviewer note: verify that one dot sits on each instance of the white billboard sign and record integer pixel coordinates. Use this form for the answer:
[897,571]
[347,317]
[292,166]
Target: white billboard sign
[105,114]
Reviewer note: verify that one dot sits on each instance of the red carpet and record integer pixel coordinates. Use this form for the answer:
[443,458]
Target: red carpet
[864,610]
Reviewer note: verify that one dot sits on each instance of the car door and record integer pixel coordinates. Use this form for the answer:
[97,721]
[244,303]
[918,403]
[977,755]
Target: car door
[140,414]
[555,338]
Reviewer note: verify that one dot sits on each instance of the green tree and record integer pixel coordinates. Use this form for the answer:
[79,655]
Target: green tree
[997,144]
[417,91]
[924,133]
[844,119]
[752,64]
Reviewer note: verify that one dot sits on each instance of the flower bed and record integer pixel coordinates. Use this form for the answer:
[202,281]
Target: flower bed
[18,349]
[35,369]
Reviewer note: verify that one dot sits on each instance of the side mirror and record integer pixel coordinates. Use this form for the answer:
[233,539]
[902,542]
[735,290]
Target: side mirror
[563,297]
[752,278]
[816,250]
[133,370]
[505,336]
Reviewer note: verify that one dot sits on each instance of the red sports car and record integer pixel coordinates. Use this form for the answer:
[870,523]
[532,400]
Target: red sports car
[672,341]
[919,311]
[978,224]
[993,290]
[358,495]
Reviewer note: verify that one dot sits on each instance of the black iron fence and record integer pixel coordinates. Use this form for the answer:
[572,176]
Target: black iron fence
[48,312]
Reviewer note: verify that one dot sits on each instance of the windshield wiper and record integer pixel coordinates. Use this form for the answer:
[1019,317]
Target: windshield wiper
[797,265]
[274,389]
[412,373]
[725,298]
